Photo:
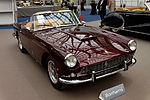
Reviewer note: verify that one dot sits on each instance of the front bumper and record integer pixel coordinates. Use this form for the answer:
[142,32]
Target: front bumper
[94,77]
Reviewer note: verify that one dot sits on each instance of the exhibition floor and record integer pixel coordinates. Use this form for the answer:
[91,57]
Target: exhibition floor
[21,78]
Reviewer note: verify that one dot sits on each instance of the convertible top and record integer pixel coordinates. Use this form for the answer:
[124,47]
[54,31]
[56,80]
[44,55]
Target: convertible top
[143,8]
[140,8]
[43,12]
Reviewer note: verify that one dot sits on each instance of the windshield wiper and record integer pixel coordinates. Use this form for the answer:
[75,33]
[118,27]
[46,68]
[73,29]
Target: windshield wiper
[88,38]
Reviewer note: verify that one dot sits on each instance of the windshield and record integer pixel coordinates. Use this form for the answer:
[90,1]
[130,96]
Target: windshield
[147,3]
[56,19]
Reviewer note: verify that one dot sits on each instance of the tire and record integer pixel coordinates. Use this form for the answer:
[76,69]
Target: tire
[53,75]
[20,46]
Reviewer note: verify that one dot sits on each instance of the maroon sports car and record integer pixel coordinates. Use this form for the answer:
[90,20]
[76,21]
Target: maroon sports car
[73,52]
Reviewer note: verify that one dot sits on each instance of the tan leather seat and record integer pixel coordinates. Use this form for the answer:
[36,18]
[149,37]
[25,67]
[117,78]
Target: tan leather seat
[38,26]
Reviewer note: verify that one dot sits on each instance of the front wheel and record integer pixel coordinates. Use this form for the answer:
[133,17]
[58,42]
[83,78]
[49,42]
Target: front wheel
[53,75]
[20,46]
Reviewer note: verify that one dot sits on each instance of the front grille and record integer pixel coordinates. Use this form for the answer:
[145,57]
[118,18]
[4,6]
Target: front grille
[105,65]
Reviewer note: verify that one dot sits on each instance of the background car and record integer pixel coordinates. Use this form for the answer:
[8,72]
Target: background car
[140,8]
[134,19]
[72,52]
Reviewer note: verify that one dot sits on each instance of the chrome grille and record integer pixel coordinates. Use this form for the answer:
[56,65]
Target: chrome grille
[106,64]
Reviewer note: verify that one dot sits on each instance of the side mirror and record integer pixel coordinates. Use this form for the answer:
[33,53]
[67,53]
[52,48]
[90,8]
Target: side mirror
[23,27]
[83,22]
[28,28]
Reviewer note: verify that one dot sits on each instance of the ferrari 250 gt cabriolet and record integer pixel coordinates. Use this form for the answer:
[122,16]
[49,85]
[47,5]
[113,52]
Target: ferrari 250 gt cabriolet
[72,52]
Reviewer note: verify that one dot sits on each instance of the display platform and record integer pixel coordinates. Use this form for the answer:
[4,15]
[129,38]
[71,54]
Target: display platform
[24,79]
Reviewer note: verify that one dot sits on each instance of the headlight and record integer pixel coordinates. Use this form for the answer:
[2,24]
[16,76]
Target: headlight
[70,60]
[132,45]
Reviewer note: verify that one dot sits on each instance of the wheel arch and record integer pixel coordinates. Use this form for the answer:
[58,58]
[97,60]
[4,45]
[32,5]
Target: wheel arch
[44,57]
[114,20]
[58,85]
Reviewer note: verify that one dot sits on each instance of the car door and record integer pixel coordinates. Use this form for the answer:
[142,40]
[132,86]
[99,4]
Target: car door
[137,21]
[37,45]
[24,35]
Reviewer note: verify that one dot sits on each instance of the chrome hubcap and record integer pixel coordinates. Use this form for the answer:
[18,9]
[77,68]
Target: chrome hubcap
[20,44]
[52,72]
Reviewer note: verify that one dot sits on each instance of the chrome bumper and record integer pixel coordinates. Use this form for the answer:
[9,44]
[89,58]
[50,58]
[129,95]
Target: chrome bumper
[98,77]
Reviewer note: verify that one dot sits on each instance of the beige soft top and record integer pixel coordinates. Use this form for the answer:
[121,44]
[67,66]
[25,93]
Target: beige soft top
[142,8]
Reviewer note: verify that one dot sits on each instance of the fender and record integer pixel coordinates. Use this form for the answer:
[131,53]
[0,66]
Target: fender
[113,20]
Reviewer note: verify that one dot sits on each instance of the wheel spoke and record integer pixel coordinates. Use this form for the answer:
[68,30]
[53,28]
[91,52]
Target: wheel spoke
[52,72]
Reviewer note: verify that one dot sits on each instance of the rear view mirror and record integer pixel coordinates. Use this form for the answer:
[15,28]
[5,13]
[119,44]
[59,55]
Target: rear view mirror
[83,22]
[23,27]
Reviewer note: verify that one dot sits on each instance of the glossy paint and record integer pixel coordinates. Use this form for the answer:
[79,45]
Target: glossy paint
[77,40]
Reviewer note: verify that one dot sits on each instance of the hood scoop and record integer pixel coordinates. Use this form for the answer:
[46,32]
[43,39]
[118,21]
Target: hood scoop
[89,38]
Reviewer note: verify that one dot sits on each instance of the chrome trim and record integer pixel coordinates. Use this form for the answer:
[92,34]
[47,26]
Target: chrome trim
[87,80]
[146,4]
[125,66]
[131,41]
[91,79]
[133,62]
[93,76]
[68,55]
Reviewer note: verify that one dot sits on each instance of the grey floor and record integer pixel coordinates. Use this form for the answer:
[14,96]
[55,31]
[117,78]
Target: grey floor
[21,78]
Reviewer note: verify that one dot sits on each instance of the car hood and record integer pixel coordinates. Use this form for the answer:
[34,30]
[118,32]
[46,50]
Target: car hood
[89,44]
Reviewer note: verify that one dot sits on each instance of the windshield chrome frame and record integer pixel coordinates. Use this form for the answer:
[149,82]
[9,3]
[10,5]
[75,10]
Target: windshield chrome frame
[73,14]
[147,4]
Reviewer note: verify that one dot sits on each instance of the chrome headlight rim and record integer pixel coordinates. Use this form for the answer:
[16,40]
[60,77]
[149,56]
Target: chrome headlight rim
[68,56]
[131,46]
